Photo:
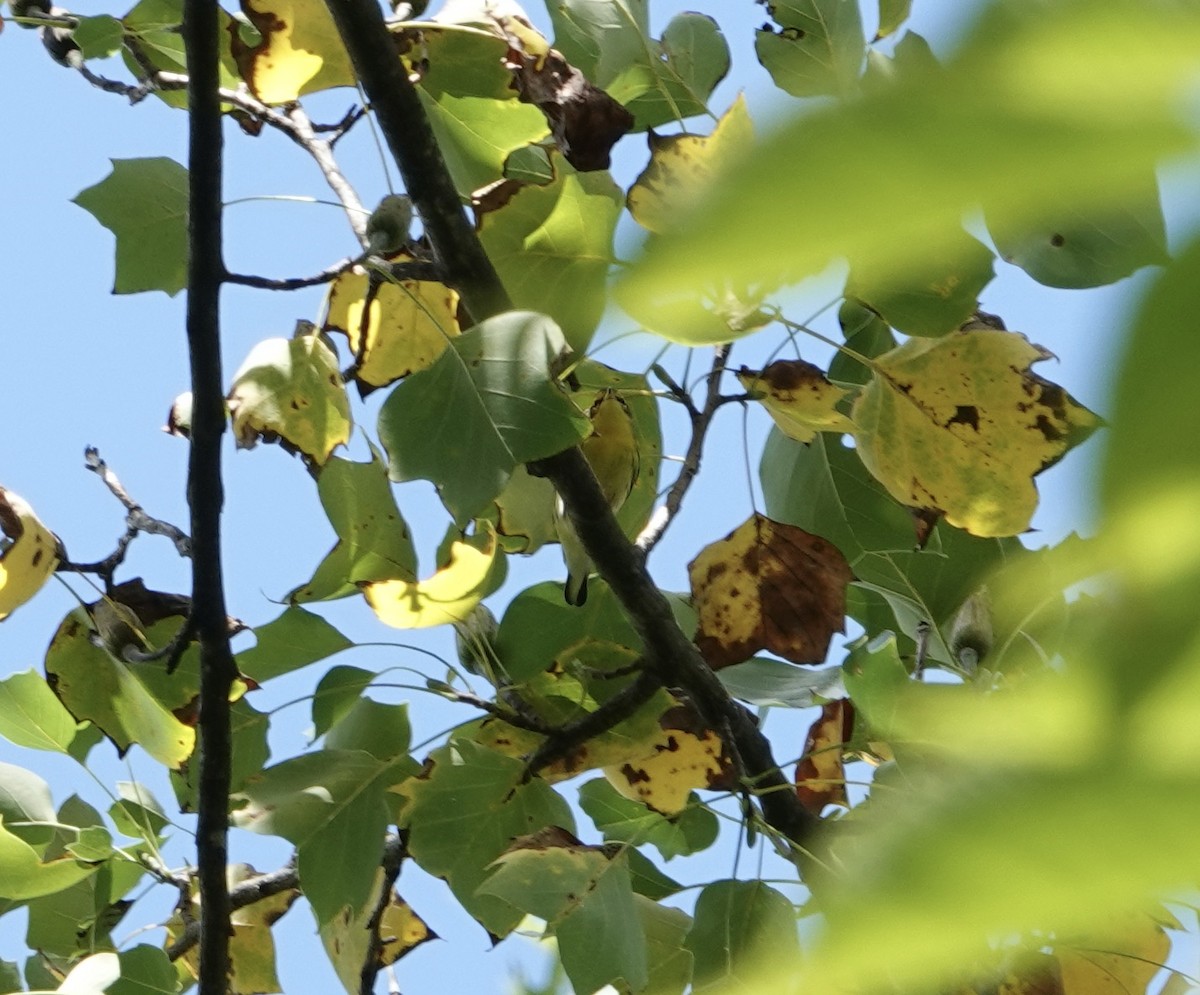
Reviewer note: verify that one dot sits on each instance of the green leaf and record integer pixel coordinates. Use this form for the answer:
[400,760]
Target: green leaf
[98,37]
[670,962]
[293,640]
[330,805]
[475,113]
[250,755]
[497,380]
[892,13]
[114,696]
[145,970]
[552,246]
[337,691]
[143,202]
[136,812]
[375,728]
[10,977]
[819,50]
[291,392]
[1069,111]
[1076,249]
[601,941]
[933,300]
[31,715]
[93,845]
[738,926]
[23,875]
[463,814]
[770,683]
[647,880]
[609,42]
[373,542]
[626,821]
[25,798]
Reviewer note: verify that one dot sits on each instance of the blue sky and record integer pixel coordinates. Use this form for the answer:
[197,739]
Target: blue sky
[81,367]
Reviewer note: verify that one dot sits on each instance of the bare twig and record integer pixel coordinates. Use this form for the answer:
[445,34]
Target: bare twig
[322,152]
[327,275]
[701,418]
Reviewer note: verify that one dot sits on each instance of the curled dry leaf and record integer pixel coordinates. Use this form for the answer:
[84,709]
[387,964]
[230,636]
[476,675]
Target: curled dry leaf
[821,772]
[768,586]
[584,120]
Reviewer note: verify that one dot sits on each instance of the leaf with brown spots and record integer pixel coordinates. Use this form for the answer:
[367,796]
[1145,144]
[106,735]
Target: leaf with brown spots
[300,51]
[584,120]
[29,553]
[799,397]
[407,328]
[960,425]
[769,586]
[821,772]
[290,391]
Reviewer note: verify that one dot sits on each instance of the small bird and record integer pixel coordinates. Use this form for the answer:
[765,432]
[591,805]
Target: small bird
[612,451]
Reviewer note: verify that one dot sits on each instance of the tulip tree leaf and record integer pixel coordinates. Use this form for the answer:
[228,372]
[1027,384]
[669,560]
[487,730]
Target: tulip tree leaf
[144,203]
[28,554]
[299,50]
[818,48]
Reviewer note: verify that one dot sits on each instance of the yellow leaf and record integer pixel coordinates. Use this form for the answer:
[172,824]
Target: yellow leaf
[300,52]
[409,324]
[465,577]
[799,398]
[28,556]
[682,167]
[771,586]
[959,425]
[290,391]
[685,755]
[1123,959]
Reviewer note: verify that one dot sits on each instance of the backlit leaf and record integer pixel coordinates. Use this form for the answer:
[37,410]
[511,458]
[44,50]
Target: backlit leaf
[31,715]
[552,246]
[960,425]
[300,50]
[293,640]
[892,14]
[98,37]
[821,773]
[818,48]
[798,397]
[24,875]
[290,391]
[28,553]
[488,403]
[409,324]
[768,586]
[144,203]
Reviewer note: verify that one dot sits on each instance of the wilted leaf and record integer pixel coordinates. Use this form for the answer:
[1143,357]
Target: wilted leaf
[144,203]
[768,586]
[960,425]
[553,246]
[300,51]
[472,569]
[373,543]
[684,755]
[798,397]
[409,324]
[28,553]
[584,120]
[821,774]
[489,403]
[933,298]
[290,391]
[818,48]
[683,166]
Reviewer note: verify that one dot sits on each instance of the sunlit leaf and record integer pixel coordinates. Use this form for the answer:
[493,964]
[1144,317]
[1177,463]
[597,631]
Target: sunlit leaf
[24,875]
[31,715]
[300,50]
[798,397]
[145,970]
[488,403]
[960,426]
[28,553]
[290,391]
[98,37]
[552,246]
[818,48]
[144,203]
[293,640]
[892,14]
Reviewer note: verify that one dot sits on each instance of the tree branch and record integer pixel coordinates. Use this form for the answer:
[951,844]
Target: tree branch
[201,39]
[394,850]
[701,419]
[671,656]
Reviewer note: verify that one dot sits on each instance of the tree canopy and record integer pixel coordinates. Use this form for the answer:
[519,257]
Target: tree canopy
[940,754]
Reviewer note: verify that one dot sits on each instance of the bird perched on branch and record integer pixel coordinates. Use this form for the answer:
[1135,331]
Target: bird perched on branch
[612,451]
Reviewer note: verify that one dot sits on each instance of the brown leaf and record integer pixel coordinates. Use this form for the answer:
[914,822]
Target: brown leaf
[821,772]
[584,120]
[770,586]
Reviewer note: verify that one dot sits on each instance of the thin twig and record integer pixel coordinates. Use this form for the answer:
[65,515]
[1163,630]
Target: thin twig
[394,851]
[327,275]
[322,153]
[701,418]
